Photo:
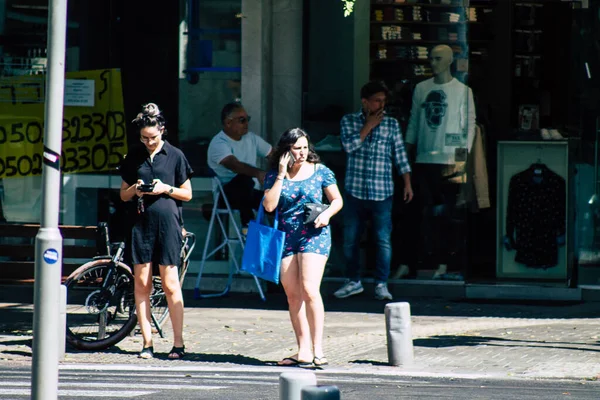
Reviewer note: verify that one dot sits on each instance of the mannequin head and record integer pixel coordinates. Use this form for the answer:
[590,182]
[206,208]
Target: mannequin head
[441,58]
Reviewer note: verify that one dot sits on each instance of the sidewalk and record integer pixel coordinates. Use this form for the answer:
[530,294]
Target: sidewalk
[451,338]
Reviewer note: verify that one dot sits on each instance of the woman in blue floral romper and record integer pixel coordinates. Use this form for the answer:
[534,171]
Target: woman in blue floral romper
[288,186]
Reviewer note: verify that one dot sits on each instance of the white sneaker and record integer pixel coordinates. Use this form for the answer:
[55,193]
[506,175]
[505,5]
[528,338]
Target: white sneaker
[382,292]
[349,289]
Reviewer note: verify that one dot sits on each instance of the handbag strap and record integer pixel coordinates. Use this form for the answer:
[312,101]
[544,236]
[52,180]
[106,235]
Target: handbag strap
[261,213]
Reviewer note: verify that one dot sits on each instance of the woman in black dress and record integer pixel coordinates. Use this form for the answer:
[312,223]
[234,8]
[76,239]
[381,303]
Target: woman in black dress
[158,175]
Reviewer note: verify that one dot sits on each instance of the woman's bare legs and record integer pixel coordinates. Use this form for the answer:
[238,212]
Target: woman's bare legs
[312,266]
[172,289]
[142,289]
[290,279]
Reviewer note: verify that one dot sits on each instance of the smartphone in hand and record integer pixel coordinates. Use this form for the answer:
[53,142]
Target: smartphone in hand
[146,187]
[292,160]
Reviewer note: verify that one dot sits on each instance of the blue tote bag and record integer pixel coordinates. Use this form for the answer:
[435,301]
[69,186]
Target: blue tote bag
[263,249]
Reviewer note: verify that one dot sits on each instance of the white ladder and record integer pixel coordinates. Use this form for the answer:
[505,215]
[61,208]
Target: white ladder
[220,215]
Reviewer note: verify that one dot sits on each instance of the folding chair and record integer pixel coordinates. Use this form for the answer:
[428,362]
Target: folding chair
[222,216]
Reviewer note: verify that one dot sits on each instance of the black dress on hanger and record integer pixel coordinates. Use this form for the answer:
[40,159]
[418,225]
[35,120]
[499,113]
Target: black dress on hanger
[536,215]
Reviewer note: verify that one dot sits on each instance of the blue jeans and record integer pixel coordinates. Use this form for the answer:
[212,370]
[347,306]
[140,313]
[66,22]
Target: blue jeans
[356,212]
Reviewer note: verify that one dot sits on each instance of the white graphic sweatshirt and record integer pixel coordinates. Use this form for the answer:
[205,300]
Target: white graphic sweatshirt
[442,119]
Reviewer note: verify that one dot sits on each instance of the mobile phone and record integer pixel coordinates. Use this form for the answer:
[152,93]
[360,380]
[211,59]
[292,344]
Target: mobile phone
[146,187]
[292,160]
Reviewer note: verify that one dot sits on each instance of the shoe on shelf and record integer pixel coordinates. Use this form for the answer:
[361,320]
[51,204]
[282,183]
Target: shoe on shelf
[452,276]
[401,272]
[382,292]
[555,134]
[350,288]
[442,269]
[545,134]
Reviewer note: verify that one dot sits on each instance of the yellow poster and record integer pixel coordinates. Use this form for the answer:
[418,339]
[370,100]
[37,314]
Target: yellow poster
[93,130]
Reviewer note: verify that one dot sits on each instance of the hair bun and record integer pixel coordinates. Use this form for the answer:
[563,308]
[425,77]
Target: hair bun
[151,110]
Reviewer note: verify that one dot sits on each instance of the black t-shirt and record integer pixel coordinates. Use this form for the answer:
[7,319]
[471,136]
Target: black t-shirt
[156,232]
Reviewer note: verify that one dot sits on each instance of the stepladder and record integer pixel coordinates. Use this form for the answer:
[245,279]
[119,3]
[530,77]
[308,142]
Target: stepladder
[224,225]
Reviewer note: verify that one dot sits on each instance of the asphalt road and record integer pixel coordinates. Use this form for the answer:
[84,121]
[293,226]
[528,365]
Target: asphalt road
[154,383]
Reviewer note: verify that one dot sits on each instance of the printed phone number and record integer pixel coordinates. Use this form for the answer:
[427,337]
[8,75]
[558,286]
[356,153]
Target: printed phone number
[99,157]
[77,129]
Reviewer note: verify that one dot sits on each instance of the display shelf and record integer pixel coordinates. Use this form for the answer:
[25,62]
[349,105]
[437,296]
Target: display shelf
[416,41]
[403,34]
[435,6]
[400,22]
[404,60]
[537,80]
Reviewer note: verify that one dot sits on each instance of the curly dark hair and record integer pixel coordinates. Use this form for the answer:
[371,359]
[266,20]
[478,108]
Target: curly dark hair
[286,141]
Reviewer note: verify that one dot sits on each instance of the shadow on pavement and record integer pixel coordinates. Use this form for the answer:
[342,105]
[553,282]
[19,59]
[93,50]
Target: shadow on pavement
[420,306]
[223,358]
[111,350]
[463,340]
[369,362]
[17,319]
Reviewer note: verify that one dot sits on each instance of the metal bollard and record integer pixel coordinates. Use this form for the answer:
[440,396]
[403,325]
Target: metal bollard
[291,384]
[399,334]
[320,393]
[62,323]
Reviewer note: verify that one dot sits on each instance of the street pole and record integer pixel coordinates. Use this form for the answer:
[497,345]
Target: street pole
[48,242]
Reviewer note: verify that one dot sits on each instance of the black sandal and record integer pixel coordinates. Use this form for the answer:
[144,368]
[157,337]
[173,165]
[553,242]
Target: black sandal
[147,353]
[176,353]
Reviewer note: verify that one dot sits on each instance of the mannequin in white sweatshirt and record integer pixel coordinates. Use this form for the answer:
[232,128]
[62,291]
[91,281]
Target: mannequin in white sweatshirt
[439,135]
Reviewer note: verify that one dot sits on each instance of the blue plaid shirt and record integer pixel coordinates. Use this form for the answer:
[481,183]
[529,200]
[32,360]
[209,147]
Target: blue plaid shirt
[370,162]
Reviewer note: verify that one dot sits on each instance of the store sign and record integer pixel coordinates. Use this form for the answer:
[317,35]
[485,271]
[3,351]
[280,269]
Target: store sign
[79,92]
[93,129]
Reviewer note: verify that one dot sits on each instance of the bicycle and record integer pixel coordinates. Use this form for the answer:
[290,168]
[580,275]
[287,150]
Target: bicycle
[100,298]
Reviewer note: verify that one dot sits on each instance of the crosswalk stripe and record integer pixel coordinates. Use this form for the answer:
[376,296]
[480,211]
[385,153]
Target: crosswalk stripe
[82,393]
[114,385]
[358,372]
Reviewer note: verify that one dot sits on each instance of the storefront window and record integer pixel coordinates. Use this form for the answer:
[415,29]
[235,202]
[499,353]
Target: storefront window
[94,127]
[392,43]
[210,66]
[210,46]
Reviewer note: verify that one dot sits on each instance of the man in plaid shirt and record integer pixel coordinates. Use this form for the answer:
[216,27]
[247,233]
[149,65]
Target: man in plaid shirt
[373,142]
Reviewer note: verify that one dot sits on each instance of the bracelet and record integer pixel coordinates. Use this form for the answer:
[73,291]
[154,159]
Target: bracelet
[279,178]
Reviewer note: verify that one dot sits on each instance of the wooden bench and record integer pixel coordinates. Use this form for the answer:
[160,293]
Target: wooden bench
[17,263]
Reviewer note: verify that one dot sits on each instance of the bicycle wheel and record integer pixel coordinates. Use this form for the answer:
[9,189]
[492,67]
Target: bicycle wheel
[98,317]
[158,300]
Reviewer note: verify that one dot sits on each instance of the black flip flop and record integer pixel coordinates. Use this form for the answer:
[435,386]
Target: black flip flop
[294,362]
